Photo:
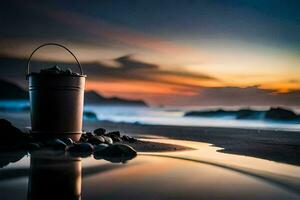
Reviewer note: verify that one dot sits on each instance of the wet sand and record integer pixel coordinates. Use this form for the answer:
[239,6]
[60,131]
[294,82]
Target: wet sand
[279,146]
[150,146]
[274,145]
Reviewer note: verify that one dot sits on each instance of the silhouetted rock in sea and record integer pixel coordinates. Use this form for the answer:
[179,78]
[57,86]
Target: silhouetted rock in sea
[89,115]
[10,91]
[92,97]
[210,113]
[277,114]
[281,114]
[249,114]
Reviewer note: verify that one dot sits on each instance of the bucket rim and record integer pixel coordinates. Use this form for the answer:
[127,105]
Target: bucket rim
[58,75]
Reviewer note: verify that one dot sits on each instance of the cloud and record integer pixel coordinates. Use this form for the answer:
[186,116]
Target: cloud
[129,68]
[248,96]
[133,78]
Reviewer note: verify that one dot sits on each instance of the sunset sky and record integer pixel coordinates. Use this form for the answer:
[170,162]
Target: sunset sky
[238,52]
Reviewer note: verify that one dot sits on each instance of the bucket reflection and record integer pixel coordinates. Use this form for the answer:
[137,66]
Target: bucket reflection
[54,177]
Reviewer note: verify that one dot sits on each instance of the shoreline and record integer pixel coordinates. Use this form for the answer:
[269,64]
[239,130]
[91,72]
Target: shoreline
[275,145]
[278,146]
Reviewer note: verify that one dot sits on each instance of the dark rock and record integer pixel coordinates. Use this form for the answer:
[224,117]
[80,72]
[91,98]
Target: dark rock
[116,139]
[100,147]
[56,144]
[12,91]
[92,97]
[83,138]
[107,139]
[33,146]
[113,134]
[11,137]
[11,157]
[210,113]
[68,141]
[99,131]
[96,140]
[101,139]
[116,153]
[89,135]
[68,71]
[90,115]
[281,114]
[127,138]
[81,147]
[249,114]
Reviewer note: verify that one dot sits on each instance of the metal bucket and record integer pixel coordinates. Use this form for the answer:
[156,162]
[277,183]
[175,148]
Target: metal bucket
[56,102]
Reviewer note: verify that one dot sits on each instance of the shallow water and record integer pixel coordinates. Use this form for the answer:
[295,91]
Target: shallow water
[175,116]
[203,173]
[167,116]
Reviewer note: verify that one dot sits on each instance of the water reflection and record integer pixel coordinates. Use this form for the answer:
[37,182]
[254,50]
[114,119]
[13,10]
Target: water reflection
[197,174]
[54,177]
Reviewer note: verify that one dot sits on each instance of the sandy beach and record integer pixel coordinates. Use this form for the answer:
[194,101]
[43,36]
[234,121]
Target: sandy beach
[279,146]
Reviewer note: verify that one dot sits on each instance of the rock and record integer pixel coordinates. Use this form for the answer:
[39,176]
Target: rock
[89,135]
[116,153]
[11,137]
[127,138]
[83,138]
[101,138]
[81,147]
[281,114]
[68,141]
[116,139]
[33,146]
[68,71]
[89,115]
[100,147]
[99,131]
[113,134]
[56,144]
[249,114]
[96,140]
[108,140]
[53,70]
[11,157]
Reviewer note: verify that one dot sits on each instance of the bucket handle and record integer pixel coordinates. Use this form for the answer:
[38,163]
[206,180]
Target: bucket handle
[52,44]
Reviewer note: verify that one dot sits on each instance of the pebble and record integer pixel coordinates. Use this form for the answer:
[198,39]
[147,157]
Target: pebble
[116,139]
[68,71]
[116,153]
[68,141]
[108,140]
[56,144]
[96,140]
[89,134]
[100,131]
[127,138]
[100,147]
[114,133]
[81,147]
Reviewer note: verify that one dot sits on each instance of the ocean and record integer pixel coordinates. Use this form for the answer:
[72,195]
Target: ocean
[170,116]
[175,116]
